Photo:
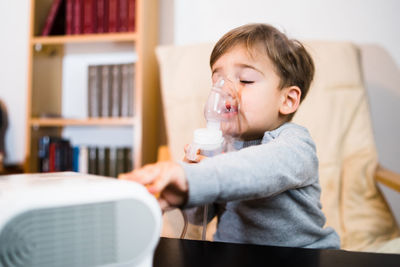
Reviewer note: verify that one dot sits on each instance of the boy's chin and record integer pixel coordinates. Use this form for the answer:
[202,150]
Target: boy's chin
[230,129]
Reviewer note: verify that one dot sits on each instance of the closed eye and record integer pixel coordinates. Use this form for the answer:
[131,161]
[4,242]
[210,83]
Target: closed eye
[246,81]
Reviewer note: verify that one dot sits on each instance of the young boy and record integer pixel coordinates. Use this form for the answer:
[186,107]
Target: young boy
[267,192]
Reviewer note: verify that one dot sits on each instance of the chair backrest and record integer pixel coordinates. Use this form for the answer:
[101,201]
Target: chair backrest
[336,113]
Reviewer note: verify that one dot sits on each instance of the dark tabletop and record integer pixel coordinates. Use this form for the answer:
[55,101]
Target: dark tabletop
[179,253]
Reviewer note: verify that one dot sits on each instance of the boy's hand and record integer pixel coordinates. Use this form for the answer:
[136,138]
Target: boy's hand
[198,156]
[163,179]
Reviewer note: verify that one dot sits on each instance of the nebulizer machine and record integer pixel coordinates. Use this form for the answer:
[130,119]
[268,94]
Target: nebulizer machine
[221,108]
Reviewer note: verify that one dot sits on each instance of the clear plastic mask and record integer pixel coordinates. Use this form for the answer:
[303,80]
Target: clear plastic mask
[222,103]
[222,107]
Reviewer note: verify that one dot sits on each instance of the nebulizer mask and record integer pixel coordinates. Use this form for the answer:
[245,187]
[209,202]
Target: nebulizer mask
[220,112]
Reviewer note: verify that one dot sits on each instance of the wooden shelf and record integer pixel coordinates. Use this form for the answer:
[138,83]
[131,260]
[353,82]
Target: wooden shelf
[84,38]
[60,122]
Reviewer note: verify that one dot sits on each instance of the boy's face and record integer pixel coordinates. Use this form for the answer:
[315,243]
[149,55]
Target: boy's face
[256,85]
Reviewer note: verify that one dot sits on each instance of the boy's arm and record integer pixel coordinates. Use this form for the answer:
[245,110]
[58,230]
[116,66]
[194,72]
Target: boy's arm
[287,162]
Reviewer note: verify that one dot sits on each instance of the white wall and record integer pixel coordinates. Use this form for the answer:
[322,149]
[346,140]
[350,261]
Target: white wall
[361,21]
[14,28]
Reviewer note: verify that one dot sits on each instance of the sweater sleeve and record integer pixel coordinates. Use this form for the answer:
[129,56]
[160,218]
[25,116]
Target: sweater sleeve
[288,161]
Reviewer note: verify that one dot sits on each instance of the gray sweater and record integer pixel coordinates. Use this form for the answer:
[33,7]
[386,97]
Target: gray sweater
[265,193]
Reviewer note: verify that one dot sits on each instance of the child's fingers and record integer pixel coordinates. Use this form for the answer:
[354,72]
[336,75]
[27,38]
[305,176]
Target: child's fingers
[167,174]
[197,159]
[157,177]
[200,158]
[164,205]
[144,175]
[186,147]
[159,184]
[124,176]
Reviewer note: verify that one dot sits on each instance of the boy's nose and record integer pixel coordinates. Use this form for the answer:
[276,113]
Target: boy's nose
[229,86]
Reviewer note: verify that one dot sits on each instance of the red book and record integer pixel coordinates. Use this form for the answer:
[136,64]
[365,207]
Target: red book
[131,15]
[100,16]
[69,16]
[54,9]
[89,16]
[52,157]
[78,15]
[123,16]
[112,15]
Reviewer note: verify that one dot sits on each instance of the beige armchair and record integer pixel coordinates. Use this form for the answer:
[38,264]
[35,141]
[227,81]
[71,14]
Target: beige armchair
[336,112]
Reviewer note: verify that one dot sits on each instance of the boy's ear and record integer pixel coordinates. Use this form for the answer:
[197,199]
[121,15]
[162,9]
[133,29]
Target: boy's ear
[290,100]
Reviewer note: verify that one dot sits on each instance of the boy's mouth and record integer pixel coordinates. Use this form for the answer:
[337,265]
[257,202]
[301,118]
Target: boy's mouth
[230,109]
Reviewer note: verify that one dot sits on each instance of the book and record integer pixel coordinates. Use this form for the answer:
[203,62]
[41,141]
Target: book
[101,17]
[131,89]
[128,159]
[112,162]
[78,16]
[116,91]
[92,160]
[64,155]
[54,18]
[89,16]
[69,13]
[54,154]
[75,158]
[131,15]
[107,161]
[120,161]
[101,163]
[112,15]
[123,16]
[43,154]
[105,88]
[83,159]
[93,92]
[125,90]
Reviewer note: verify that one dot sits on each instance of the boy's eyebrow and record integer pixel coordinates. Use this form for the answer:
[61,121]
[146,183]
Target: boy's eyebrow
[241,65]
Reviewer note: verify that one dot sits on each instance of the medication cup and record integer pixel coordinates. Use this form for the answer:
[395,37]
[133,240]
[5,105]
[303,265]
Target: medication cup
[209,141]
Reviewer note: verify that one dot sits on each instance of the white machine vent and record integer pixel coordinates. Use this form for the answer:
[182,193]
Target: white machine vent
[80,235]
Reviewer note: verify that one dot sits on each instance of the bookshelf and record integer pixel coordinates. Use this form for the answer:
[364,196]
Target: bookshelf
[45,83]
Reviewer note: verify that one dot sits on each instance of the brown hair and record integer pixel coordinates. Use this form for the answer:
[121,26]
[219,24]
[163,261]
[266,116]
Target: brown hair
[292,62]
